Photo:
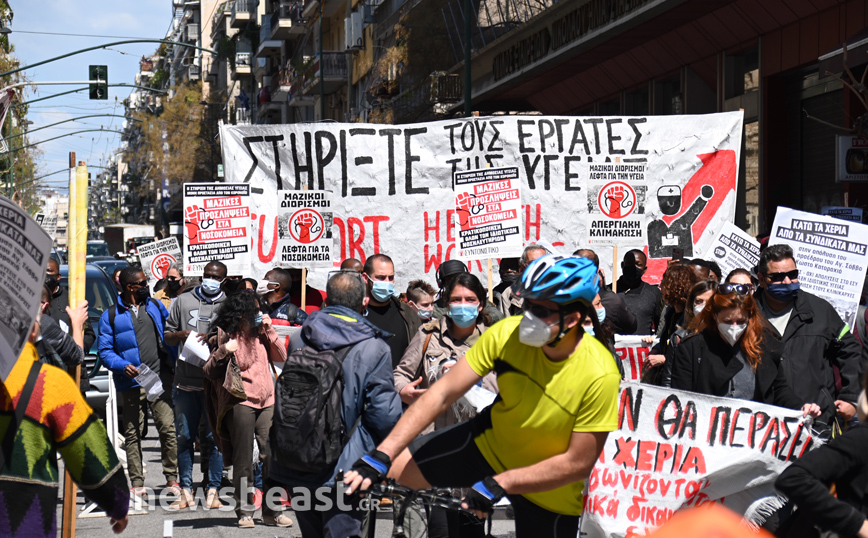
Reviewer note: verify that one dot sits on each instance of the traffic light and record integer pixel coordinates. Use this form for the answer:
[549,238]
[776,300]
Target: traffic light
[98,72]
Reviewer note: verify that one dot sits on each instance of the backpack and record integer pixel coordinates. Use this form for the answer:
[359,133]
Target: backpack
[308,432]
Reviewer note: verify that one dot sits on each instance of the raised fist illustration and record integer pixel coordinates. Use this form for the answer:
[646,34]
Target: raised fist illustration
[615,194]
[305,225]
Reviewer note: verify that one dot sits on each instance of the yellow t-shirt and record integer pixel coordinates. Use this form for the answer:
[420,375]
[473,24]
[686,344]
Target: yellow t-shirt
[542,403]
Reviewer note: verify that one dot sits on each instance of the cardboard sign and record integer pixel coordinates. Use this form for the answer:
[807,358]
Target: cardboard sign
[304,229]
[217,226]
[733,248]
[675,449]
[830,256]
[156,258]
[24,252]
[488,213]
[393,191]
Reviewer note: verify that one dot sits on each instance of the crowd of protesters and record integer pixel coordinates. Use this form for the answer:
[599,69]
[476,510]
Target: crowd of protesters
[407,359]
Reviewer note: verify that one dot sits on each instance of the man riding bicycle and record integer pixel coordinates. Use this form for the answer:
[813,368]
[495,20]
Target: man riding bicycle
[539,440]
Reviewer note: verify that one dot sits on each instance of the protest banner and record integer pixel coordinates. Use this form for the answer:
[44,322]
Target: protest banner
[48,222]
[24,251]
[488,213]
[304,229]
[853,214]
[676,449]
[633,352]
[217,226]
[733,248]
[39,218]
[393,191]
[830,256]
[156,258]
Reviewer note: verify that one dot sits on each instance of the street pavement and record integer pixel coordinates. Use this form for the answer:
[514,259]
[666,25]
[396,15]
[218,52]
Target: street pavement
[203,523]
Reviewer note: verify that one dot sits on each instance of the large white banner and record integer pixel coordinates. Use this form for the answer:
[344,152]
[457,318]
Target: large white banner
[733,248]
[830,255]
[24,251]
[393,183]
[675,449]
[217,226]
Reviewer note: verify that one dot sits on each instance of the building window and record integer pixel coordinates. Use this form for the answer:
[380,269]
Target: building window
[610,108]
[741,73]
[636,103]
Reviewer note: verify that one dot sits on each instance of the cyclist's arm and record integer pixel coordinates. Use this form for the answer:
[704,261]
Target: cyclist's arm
[429,406]
[573,465]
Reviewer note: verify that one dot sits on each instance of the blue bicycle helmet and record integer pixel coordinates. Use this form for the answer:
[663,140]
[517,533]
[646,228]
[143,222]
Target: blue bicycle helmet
[558,279]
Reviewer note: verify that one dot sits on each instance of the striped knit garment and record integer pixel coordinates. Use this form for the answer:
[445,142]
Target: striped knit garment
[57,420]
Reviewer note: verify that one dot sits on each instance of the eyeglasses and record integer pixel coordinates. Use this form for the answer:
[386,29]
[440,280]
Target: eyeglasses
[779,277]
[739,289]
[537,310]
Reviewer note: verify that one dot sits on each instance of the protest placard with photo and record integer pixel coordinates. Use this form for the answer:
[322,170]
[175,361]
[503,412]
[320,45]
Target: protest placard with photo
[733,248]
[676,449]
[24,252]
[488,213]
[830,256]
[156,258]
[304,229]
[217,226]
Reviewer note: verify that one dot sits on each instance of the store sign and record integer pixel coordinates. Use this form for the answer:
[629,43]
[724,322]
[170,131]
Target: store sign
[851,161]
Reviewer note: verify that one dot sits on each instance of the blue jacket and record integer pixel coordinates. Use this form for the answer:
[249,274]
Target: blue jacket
[369,387]
[118,346]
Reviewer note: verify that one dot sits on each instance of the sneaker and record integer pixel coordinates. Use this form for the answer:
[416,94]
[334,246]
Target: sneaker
[185,500]
[173,488]
[212,500]
[246,522]
[257,498]
[279,520]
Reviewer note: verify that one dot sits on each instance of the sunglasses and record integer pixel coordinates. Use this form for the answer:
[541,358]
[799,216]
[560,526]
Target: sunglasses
[739,289]
[538,310]
[779,277]
[141,284]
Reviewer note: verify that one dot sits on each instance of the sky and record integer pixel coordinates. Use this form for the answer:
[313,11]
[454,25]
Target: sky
[123,19]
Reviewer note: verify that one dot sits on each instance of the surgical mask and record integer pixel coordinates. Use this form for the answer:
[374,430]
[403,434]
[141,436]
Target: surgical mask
[698,308]
[143,293]
[731,333]
[463,315]
[425,314]
[173,285]
[589,329]
[257,321]
[533,331]
[262,287]
[211,286]
[783,292]
[601,315]
[382,291]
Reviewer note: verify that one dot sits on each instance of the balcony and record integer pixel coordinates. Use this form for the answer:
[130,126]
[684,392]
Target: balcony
[267,46]
[333,74]
[242,116]
[269,113]
[218,22]
[243,11]
[192,32]
[243,63]
[281,86]
[285,22]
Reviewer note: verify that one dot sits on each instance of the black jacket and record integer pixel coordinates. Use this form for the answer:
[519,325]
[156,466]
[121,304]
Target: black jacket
[844,462]
[706,363]
[816,341]
[617,313]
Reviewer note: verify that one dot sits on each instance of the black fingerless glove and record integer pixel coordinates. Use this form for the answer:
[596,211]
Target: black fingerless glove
[373,465]
[484,495]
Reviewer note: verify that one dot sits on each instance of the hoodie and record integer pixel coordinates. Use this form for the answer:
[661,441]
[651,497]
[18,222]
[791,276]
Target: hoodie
[193,311]
[369,388]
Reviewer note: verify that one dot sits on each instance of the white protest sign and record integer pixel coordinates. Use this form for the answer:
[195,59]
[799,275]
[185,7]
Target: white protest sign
[844,213]
[633,352]
[24,251]
[488,213]
[733,248]
[304,229]
[156,258]
[39,218]
[50,225]
[393,191]
[830,256]
[217,226]
[676,449]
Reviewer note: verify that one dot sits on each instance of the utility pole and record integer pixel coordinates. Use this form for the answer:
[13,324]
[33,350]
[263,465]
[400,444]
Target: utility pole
[468,34]
[321,66]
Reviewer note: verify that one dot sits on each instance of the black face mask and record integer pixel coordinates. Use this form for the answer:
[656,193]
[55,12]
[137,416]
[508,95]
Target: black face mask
[173,286]
[142,294]
[632,273]
[51,281]
[509,279]
[231,286]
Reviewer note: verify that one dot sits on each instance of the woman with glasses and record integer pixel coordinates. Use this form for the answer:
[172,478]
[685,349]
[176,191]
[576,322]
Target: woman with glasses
[732,353]
[437,345]
[741,276]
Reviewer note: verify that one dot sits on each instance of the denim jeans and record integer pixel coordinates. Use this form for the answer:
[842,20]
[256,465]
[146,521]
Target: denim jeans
[189,412]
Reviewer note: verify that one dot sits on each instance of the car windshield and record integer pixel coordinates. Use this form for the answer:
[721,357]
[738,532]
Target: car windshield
[98,292]
[97,249]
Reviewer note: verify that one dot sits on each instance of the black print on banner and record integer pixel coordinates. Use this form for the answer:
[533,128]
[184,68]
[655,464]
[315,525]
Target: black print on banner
[662,239]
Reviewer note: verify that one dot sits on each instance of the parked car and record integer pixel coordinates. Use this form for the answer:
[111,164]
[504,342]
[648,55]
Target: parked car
[101,295]
[97,248]
[109,265]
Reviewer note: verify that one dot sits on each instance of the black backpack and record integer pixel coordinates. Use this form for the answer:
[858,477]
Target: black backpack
[307,431]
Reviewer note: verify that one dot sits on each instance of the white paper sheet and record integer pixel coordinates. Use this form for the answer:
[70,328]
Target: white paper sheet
[150,381]
[194,351]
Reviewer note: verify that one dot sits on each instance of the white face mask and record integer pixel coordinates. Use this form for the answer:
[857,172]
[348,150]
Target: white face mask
[731,333]
[533,331]
[697,309]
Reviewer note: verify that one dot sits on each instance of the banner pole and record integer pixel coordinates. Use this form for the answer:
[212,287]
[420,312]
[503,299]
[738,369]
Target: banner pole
[303,287]
[490,287]
[615,268]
